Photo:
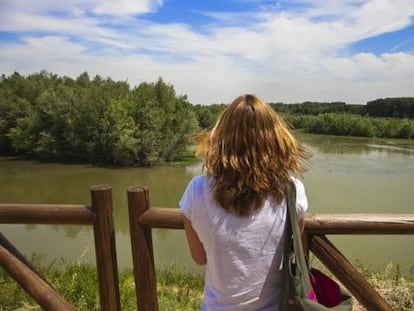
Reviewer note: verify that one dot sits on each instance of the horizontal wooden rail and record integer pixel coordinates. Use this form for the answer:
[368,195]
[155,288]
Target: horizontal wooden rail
[162,217]
[63,214]
[359,224]
[316,224]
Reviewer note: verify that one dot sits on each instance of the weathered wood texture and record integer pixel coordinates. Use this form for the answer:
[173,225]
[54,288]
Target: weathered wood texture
[46,214]
[142,250]
[29,279]
[315,224]
[100,215]
[162,217]
[359,224]
[143,218]
[105,248]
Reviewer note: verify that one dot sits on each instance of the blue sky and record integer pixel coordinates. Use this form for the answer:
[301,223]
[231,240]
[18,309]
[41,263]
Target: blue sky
[214,50]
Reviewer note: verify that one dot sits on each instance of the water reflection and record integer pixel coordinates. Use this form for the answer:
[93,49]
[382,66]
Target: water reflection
[350,145]
[346,176]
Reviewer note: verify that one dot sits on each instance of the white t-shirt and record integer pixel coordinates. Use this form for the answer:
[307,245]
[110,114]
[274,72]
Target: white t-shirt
[244,254]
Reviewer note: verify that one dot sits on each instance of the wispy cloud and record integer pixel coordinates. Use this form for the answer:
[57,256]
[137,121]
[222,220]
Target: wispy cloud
[285,51]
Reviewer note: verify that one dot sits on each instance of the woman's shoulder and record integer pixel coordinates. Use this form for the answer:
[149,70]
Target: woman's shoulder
[198,180]
[199,183]
[298,183]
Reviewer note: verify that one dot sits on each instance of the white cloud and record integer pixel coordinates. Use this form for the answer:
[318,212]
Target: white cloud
[128,7]
[283,55]
[107,7]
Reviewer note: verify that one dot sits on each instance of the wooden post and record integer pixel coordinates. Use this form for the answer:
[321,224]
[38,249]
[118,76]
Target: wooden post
[142,250]
[38,288]
[347,274]
[105,248]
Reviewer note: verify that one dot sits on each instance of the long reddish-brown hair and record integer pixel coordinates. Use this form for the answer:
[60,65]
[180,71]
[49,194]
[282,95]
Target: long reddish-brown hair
[250,153]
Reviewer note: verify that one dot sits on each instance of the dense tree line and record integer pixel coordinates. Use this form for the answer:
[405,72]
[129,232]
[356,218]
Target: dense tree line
[100,120]
[353,125]
[317,108]
[389,117]
[399,107]
[95,120]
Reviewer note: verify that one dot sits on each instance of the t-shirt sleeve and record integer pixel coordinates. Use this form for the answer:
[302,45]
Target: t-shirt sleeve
[301,199]
[186,201]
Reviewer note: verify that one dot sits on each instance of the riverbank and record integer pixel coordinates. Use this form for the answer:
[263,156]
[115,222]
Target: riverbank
[177,288]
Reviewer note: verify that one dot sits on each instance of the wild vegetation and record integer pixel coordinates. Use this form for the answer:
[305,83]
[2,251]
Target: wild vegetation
[177,289]
[385,118]
[99,120]
[344,124]
[78,284]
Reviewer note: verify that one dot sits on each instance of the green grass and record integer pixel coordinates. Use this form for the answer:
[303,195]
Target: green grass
[78,284]
[393,284]
[177,288]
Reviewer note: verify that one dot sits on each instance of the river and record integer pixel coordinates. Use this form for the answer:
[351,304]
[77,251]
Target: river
[346,175]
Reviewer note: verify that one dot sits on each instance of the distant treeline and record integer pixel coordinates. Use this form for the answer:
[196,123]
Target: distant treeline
[389,117]
[397,107]
[345,124]
[99,120]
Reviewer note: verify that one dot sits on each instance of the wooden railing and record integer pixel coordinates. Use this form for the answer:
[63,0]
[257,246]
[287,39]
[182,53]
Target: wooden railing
[143,218]
[99,215]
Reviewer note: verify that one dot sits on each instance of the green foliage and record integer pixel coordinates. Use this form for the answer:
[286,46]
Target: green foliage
[103,121]
[206,115]
[395,286]
[96,120]
[341,124]
[326,118]
[78,284]
[317,108]
[119,143]
[394,128]
[163,122]
[399,107]
[345,124]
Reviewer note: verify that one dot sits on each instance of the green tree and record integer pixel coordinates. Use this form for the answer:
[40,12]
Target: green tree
[163,122]
[119,142]
[207,114]
[94,120]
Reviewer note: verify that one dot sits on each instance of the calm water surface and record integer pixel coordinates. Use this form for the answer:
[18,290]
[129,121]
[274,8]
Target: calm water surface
[346,175]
